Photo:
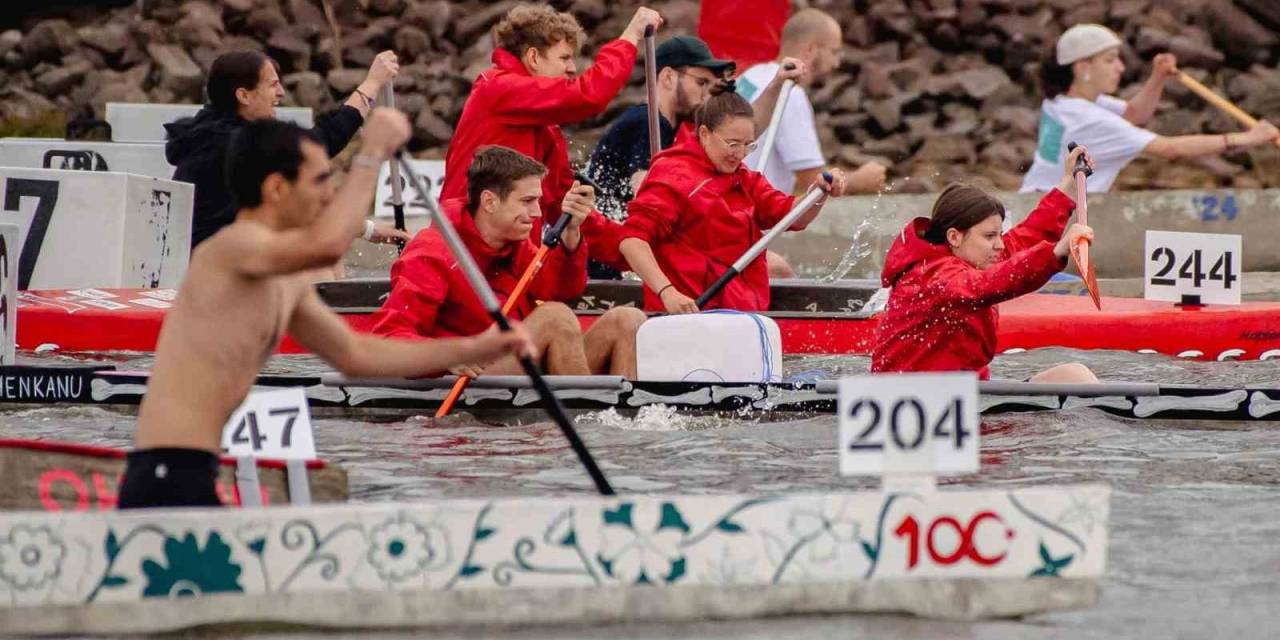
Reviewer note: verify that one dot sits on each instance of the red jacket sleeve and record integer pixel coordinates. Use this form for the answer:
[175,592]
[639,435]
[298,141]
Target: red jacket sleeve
[419,285]
[954,281]
[537,100]
[655,211]
[1045,223]
[563,276]
[771,205]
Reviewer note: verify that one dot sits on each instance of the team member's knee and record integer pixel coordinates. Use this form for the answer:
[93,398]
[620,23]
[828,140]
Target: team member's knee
[559,318]
[625,320]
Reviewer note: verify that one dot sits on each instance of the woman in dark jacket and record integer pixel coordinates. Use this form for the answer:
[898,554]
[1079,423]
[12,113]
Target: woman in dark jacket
[244,86]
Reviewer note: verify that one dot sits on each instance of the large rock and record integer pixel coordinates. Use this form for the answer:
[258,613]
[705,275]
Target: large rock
[49,40]
[110,38]
[411,43]
[946,148]
[469,27]
[290,49]
[201,25]
[178,72]
[345,81]
[9,40]
[432,128]
[432,17]
[309,89]
[1236,32]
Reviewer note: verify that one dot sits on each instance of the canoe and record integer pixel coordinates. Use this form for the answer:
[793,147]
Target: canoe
[813,319]
[510,399]
[1121,219]
[63,476]
[956,554]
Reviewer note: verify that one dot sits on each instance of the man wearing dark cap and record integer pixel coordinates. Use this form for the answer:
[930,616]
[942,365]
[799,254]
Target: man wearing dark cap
[687,75]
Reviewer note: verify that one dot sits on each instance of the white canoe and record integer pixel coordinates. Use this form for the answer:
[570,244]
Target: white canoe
[953,554]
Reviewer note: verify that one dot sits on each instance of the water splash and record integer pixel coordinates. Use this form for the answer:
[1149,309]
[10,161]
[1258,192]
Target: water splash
[862,244]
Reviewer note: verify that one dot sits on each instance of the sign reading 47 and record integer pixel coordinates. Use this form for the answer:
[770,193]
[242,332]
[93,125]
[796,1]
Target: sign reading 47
[271,424]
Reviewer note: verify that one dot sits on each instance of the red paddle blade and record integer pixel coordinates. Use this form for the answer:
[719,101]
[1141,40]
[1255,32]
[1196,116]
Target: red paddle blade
[1080,256]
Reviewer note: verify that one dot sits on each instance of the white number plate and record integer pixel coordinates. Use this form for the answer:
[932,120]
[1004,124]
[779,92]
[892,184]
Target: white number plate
[909,423]
[271,424]
[432,172]
[1193,264]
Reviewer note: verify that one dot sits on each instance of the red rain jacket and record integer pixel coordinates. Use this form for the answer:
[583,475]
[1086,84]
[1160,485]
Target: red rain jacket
[699,221]
[430,296]
[510,107]
[941,314]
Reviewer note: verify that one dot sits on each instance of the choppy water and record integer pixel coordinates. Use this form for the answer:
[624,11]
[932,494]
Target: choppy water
[1195,524]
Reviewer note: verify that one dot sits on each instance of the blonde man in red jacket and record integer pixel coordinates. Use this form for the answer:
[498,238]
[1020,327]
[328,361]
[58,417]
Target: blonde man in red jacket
[430,296]
[530,91]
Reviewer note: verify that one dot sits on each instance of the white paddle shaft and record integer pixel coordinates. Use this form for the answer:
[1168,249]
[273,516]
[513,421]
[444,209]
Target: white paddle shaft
[771,134]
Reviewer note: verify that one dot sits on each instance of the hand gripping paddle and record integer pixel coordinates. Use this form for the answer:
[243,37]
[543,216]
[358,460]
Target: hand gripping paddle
[1080,252]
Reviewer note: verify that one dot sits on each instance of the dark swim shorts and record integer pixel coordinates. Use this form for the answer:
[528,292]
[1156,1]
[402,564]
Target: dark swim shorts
[169,478]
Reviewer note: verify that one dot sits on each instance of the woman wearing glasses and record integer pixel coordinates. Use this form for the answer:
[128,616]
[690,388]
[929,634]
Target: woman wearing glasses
[699,209]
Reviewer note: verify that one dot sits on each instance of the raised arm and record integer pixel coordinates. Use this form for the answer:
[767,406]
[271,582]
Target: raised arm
[256,251]
[317,328]
[1193,146]
[1143,105]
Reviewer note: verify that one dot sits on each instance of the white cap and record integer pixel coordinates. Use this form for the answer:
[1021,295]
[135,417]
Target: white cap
[1085,41]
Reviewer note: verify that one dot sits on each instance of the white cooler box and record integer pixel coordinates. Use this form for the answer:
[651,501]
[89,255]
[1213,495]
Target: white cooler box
[96,229]
[713,346]
[144,159]
[144,122]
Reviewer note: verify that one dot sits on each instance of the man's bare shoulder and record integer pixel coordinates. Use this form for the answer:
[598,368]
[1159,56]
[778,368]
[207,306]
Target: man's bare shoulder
[231,242]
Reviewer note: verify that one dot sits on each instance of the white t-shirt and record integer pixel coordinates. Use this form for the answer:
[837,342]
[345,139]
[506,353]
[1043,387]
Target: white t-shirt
[1113,142]
[796,146]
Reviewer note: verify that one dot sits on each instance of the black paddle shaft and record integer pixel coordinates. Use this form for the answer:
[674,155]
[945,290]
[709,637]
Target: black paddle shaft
[1081,164]
[550,402]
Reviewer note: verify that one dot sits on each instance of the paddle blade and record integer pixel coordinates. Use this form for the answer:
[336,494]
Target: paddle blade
[1080,256]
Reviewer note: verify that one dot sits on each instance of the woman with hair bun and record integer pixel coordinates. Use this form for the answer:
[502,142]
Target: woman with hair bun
[699,209]
[1079,77]
[948,272]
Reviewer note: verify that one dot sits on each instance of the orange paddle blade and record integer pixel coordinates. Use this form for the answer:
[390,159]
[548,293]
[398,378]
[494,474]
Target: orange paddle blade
[1080,256]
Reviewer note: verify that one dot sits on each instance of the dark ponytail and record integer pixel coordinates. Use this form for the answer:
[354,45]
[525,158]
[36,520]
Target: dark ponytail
[1055,78]
[960,206]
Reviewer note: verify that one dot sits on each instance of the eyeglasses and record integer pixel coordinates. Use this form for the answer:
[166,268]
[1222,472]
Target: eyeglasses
[736,147]
[703,82]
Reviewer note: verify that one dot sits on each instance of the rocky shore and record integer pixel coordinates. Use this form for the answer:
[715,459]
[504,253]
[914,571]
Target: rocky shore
[935,89]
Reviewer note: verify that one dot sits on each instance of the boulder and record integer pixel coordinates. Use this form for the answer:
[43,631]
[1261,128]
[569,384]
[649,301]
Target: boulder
[432,128]
[946,148]
[411,43]
[875,81]
[432,17]
[309,14]
[266,20]
[49,40]
[1236,32]
[345,81]
[178,72]
[290,49]
[110,38]
[309,89]
[201,25]
[469,27]
[386,7]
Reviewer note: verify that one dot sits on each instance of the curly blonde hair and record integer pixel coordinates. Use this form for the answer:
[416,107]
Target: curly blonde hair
[538,26]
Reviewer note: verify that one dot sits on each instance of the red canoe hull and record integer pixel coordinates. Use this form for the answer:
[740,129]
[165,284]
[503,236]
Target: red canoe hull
[1248,332]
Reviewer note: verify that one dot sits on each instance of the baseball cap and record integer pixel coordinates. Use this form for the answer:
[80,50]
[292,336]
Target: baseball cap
[689,51]
[1085,41]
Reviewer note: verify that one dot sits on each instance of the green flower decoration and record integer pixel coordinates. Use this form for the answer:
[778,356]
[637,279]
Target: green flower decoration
[192,571]
[640,543]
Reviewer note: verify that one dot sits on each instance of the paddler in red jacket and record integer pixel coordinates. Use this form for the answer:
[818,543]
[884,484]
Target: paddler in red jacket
[949,271]
[699,209]
[430,296]
[530,91]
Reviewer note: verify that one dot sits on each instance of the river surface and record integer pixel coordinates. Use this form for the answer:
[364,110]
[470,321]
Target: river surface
[1195,516]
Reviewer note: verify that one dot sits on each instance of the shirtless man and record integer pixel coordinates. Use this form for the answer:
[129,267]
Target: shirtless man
[247,285]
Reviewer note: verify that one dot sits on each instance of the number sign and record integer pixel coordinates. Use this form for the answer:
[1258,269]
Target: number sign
[1193,264]
[271,424]
[431,171]
[909,423]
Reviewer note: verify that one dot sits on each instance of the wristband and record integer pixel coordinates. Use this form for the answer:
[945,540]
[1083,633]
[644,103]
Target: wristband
[367,100]
[669,285]
[367,161]
[368,230]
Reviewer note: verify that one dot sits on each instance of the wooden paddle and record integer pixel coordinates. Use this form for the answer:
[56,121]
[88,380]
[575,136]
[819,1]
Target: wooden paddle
[651,90]
[550,239]
[771,134]
[1218,101]
[397,196]
[550,402]
[758,248]
[1080,252]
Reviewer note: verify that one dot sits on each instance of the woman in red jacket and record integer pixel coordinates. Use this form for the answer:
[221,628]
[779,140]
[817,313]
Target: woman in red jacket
[699,210]
[949,271]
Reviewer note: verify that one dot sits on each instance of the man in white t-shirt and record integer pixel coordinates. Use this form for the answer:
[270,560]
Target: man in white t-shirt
[797,159]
